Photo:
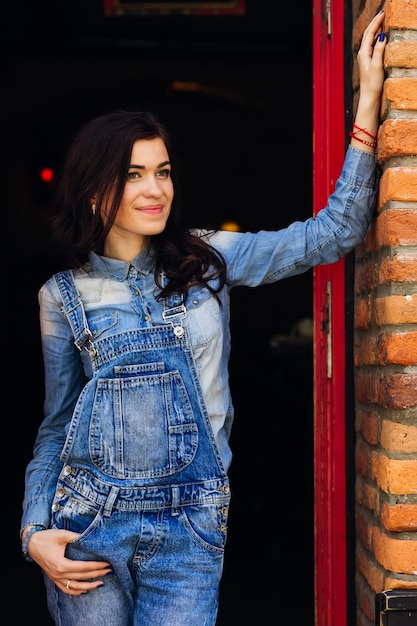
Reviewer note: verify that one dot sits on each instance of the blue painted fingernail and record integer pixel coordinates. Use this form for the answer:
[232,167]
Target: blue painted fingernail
[381,37]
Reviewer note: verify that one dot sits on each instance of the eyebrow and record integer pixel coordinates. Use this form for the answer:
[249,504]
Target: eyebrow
[142,167]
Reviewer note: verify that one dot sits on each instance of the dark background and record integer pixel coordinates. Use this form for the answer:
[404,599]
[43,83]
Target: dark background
[235,92]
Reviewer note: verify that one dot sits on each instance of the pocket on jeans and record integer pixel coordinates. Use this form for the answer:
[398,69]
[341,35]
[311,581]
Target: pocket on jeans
[207,525]
[71,511]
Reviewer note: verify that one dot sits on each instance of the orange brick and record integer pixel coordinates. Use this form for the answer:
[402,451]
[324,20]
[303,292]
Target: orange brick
[397,437]
[362,559]
[400,14]
[395,310]
[394,391]
[359,487]
[366,276]
[356,360]
[365,389]
[362,314]
[368,425]
[400,54]
[375,577]
[395,476]
[362,457]
[401,349]
[369,351]
[396,555]
[363,249]
[402,92]
[390,391]
[397,137]
[371,499]
[395,227]
[398,183]
[364,531]
[402,268]
[399,517]
[369,245]
[366,600]
[399,391]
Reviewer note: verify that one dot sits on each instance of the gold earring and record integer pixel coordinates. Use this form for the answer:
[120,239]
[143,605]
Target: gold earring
[93,208]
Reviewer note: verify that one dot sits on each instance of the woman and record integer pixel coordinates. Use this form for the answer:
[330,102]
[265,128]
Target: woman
[127,495]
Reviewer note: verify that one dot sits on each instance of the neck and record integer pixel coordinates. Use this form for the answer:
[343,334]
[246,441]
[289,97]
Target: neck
[124,249]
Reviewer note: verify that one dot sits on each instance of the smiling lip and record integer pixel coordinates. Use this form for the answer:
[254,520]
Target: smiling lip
[152,208]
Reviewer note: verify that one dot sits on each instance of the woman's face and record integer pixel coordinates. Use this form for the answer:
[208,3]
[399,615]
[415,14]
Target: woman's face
[146,201]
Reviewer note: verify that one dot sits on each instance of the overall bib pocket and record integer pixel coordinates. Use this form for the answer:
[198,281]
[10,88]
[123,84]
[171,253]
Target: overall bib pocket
[142,423]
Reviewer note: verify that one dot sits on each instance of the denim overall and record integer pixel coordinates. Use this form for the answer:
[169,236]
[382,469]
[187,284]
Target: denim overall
[142,480]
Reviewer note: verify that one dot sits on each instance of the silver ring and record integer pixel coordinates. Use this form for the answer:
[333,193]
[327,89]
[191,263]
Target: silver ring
[67,586]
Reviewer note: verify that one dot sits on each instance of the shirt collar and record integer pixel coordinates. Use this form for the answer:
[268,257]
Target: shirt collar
[144,263]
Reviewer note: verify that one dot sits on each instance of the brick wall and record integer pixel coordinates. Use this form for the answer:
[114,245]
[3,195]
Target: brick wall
[386,329]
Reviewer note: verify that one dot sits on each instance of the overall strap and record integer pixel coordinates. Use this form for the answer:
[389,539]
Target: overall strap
[174,311]
[174,315]
[73,309]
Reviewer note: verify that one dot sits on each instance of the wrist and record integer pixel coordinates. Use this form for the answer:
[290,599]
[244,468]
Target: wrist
[370,100]
[26,535]
[367,115]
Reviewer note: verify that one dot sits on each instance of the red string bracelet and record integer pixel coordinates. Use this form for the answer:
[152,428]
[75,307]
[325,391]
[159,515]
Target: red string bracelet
[371,144]
[364,131]
[354,134]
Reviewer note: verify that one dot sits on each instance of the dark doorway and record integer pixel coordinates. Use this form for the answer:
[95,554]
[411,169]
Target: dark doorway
[236,93]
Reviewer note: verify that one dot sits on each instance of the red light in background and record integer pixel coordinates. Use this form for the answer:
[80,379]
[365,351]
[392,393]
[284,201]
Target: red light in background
[47,174]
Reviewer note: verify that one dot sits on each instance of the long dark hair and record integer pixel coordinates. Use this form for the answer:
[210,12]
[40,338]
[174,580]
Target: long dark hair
[95,166]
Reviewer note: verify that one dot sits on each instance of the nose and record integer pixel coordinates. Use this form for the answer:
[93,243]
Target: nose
[152,187]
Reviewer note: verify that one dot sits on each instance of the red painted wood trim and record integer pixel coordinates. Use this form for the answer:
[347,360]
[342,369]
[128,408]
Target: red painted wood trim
[329,398]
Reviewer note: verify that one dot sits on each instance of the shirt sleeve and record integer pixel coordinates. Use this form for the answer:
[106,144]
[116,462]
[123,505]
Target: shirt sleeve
[64,379]
[268,256]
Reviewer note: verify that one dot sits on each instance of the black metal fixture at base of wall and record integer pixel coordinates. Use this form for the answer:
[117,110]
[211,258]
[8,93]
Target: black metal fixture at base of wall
[396,607]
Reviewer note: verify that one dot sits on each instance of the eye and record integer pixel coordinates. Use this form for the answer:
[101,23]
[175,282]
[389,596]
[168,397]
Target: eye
[133,175]
[166,173]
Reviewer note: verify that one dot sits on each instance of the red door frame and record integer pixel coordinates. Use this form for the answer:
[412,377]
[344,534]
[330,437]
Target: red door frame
[329,316]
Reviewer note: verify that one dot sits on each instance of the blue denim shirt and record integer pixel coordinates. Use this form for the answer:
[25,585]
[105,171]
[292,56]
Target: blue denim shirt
[120,296]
